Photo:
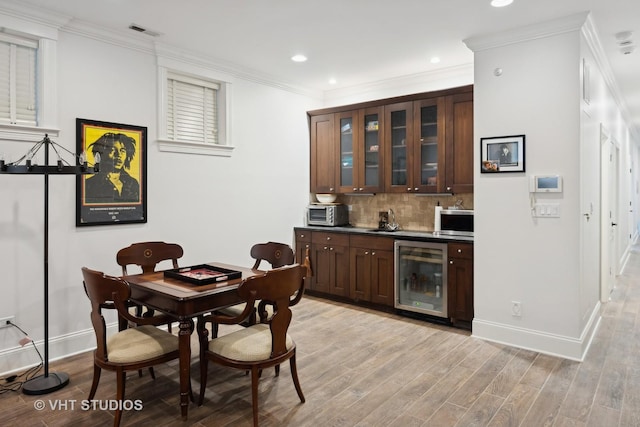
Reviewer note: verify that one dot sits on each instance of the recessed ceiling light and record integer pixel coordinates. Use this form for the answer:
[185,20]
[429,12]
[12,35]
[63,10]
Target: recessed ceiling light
[435,60]
[298,58]
[332,81]
[501,3]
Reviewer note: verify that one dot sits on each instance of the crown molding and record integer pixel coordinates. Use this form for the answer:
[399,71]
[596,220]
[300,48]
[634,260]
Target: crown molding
[24,18]
[529,32]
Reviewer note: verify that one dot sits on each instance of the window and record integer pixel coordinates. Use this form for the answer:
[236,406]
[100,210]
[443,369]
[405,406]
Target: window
[192,114]
[194,107]
[18,81]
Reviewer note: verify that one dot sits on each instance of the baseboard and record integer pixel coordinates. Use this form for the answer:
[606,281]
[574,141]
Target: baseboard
[542,342]
[17,359]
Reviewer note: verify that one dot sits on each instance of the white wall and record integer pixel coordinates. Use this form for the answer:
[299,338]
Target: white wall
[546,264]
[215,207]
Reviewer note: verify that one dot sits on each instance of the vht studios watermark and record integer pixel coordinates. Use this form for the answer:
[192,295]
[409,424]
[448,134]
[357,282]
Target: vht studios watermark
[88,405]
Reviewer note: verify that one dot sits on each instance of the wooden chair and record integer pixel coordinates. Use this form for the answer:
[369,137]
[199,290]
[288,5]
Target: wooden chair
[262,345]
[147,255]
[277,255]
[131,349]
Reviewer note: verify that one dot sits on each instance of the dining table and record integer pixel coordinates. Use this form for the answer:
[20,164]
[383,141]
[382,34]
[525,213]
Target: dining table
[185,301]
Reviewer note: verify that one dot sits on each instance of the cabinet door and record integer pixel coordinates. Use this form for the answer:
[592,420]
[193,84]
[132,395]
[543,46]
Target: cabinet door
[360,283]
[460,283]
[330,263]
[459,143]
[370,151]
[398,119]
[323,154]
[428,161]
[348,164]
[382,277]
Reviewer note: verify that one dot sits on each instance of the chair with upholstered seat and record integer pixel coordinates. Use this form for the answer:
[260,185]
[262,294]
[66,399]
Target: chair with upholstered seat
[262,345]
[276,255]
[147,255]
[131,349]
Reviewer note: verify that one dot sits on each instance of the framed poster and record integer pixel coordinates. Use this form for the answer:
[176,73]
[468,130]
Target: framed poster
[502,154]
[117,192]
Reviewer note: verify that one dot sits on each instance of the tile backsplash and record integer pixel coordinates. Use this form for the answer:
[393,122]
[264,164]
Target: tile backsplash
[412,212]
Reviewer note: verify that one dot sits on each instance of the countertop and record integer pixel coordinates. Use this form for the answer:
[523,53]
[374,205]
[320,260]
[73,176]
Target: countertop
[399,234]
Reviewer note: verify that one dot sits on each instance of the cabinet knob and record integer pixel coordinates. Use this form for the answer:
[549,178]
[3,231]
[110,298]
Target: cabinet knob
[409,189]
[373,253]
[301,236]
[355,189]
[415,189]
[448,188]
[360,189]
[366,252]
[325,248]
[330,249]
[331,189]
[450,262]
[328,238]
[459,251]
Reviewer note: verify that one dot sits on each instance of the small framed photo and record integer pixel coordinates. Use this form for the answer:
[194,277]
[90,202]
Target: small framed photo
[502,154]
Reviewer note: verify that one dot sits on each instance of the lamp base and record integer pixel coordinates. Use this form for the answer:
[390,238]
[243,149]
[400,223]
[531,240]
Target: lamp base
[46,384]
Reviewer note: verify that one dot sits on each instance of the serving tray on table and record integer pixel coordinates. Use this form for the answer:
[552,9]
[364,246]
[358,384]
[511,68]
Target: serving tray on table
[202,274]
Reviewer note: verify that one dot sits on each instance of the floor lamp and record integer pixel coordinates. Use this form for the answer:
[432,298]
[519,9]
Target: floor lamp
[49,381]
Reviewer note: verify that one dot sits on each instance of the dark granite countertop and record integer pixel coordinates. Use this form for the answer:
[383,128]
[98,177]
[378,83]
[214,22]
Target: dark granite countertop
[399,234]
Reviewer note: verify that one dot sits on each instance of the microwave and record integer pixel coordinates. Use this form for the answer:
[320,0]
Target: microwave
[456,222]
[331,215]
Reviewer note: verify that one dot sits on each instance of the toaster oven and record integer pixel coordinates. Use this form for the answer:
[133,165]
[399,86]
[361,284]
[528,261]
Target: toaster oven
[330,215]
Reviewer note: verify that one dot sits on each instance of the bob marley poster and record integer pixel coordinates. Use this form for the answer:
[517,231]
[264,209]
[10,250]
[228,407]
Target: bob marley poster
[116,192]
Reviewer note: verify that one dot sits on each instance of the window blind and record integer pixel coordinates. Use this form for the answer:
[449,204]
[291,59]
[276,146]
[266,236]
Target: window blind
[192,114]
[18,81]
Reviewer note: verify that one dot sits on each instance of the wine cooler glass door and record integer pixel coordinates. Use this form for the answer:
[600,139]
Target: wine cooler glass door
[421,277]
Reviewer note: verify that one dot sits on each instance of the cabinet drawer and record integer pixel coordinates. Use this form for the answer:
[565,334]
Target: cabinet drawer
[303,235]
[460,250]
[369,242]
[337,239]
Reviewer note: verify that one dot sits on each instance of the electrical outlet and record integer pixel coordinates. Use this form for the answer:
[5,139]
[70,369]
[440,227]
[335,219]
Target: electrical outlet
[4,321]
[516,308]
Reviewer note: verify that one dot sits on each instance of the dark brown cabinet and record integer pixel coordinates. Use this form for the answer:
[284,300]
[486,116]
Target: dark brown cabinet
[330,263]
[459,143]
[460,283]
[420,143]
[323,154]
[371,264]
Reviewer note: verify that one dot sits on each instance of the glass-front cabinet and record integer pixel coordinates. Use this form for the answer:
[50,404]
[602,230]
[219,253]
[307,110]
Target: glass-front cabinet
[360,151]
[416,146]
[421,277]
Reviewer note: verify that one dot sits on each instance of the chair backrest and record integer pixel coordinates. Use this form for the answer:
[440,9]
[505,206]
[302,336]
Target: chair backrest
[276,254]
[148,254]
[101,289]
[277,286]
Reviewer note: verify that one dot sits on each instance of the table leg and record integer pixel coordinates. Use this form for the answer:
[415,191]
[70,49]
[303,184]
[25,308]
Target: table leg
[184,339]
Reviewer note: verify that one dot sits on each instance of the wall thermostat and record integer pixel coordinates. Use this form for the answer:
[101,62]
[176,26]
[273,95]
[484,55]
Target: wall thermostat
[545,184]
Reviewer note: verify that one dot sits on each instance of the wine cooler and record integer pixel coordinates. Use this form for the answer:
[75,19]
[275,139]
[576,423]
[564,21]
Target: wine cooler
[421,277]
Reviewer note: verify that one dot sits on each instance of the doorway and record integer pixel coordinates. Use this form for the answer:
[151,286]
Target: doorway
[609,213]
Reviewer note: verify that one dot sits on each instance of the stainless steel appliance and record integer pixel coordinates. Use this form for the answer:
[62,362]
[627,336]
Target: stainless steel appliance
[457,222]
[421,277]
[331,214]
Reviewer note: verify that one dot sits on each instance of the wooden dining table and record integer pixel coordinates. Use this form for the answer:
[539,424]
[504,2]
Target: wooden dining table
[184,301]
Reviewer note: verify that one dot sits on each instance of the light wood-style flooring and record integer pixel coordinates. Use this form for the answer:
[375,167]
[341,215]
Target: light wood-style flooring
[362,368]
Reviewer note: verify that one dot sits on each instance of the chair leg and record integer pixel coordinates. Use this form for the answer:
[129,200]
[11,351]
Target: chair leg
[203,379]
[121,377]
[255,377]
[294,375]
[152,372]
[96,379]
[277,370]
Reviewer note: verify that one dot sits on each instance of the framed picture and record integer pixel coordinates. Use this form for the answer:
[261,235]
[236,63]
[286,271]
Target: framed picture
[502,154]
[117,192]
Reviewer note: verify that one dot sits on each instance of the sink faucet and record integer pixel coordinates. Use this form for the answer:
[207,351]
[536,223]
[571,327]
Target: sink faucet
[392,225]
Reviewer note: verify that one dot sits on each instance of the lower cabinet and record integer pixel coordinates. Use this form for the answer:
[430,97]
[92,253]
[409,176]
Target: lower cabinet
[371,264]
[360,268]
[460,283]
[330,263]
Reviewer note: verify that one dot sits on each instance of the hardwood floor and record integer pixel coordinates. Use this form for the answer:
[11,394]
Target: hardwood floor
[362,368]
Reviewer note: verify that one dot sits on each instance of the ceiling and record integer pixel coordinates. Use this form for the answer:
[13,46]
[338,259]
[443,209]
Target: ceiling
[354,41]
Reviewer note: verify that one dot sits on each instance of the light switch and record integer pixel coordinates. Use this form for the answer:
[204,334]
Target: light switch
[546,210]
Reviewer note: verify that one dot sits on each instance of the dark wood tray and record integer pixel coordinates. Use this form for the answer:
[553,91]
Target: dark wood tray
[202,274]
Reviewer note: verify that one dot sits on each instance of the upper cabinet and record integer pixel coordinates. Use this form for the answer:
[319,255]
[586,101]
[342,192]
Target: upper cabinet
[360,167]
[415,133]
[323,154]
[419,143]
